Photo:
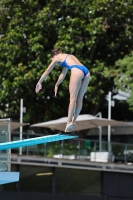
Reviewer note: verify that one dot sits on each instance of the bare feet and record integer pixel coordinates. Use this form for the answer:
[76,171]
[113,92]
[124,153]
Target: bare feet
[69,126]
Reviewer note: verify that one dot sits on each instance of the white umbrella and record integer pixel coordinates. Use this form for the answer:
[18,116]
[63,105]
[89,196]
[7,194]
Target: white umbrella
[83,122]
[16,125]
[13,125]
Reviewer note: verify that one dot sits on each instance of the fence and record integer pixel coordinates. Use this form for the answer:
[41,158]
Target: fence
[82,149]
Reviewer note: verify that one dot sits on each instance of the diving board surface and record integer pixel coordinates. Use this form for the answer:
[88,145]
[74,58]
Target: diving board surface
[34,141]
[8,177]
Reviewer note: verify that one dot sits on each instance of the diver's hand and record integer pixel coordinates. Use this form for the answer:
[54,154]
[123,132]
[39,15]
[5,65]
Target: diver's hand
[55,90]
[38,87]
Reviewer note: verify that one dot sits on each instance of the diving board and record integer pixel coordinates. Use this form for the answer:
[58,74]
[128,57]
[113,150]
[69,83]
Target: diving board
[8,177]
[34,141]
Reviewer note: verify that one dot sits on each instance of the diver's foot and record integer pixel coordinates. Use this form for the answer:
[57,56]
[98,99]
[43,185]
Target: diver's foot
[69,126]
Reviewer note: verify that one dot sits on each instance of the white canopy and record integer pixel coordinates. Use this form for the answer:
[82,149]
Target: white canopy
[83,122]
[16,125]
[13,125]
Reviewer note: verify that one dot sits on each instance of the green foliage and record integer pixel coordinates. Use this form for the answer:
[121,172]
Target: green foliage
[124,79]
[97,32]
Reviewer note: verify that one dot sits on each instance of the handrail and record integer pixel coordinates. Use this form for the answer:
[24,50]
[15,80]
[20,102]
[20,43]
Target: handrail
[6,119]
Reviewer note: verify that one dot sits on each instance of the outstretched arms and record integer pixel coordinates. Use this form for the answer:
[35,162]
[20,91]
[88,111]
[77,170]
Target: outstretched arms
[60,79]
[44,75]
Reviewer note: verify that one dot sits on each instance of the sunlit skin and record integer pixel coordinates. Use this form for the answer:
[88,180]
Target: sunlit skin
[77,85]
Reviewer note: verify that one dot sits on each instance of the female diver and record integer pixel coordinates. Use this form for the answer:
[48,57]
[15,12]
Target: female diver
[79,81]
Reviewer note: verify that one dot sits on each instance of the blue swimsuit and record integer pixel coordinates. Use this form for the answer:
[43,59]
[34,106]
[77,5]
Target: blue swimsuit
[81,67]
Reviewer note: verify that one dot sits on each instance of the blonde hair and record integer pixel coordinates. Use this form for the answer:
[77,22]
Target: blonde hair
[56,51]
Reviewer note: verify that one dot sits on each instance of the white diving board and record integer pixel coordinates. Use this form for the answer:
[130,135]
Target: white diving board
[8,177]
[34,141]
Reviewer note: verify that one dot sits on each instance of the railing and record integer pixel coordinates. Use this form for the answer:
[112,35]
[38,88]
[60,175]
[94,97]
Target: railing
[82,149]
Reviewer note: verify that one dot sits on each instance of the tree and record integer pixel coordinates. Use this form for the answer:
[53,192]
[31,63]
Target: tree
[97,32]
[124,79]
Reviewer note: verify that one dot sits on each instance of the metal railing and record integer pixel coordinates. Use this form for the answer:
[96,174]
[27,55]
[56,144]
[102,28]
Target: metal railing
[82,149]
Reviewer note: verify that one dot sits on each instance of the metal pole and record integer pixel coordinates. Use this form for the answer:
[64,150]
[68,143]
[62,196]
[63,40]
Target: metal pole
[100,138]
[27,148]
[125,153]
[9,150]
[79,149]
[100,131]
[109,116]
[21,121]
[62,148]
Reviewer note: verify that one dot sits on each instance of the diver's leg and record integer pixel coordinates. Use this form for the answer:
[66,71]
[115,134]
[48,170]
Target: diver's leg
[74,87]
[80,96]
